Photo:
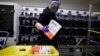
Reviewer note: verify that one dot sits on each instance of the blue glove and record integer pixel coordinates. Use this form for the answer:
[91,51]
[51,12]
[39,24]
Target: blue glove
[45,28]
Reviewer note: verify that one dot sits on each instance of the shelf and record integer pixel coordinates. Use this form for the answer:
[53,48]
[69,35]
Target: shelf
[93,19]
[93,28]
[73,19]
[27,26]
[28,17]
[85,28]
[71,27]
[29,35]
[80,46]
[72,36]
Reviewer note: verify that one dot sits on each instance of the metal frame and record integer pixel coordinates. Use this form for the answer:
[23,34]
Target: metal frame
[5,41]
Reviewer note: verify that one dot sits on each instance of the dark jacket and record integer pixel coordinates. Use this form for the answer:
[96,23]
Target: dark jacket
[46,16]
[44,19]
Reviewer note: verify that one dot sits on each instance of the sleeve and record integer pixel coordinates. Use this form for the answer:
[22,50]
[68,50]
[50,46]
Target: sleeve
[45,17]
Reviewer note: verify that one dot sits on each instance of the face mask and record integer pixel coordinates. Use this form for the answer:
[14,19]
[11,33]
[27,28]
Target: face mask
[54,7]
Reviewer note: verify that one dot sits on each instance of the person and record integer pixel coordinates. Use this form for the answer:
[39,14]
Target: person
[48,14]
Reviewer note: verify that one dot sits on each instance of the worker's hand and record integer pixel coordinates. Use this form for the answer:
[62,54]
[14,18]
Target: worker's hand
[45,28]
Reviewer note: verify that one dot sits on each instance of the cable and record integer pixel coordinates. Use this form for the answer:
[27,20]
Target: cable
[94,31]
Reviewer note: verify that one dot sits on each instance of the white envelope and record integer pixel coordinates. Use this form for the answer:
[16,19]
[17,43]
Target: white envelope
[54,27]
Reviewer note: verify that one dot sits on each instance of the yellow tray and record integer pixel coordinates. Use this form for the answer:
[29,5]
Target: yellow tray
[53,52]
[25,51]
[15,51]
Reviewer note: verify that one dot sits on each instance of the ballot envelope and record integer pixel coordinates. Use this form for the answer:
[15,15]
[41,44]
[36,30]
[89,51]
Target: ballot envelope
[54,27]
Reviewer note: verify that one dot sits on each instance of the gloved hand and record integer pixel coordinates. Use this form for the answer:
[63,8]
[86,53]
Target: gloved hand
[45,28]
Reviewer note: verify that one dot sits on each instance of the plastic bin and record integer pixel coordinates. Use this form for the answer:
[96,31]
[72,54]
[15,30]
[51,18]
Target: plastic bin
[25,51]
[15,51]
[54,52]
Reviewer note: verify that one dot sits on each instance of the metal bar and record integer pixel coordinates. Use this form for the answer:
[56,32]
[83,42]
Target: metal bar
[89,27]
[78,42]
[1,46]
[5,42]
[91,54]
[95,42]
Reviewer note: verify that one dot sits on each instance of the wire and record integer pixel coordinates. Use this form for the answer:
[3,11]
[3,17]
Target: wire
[94,31]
